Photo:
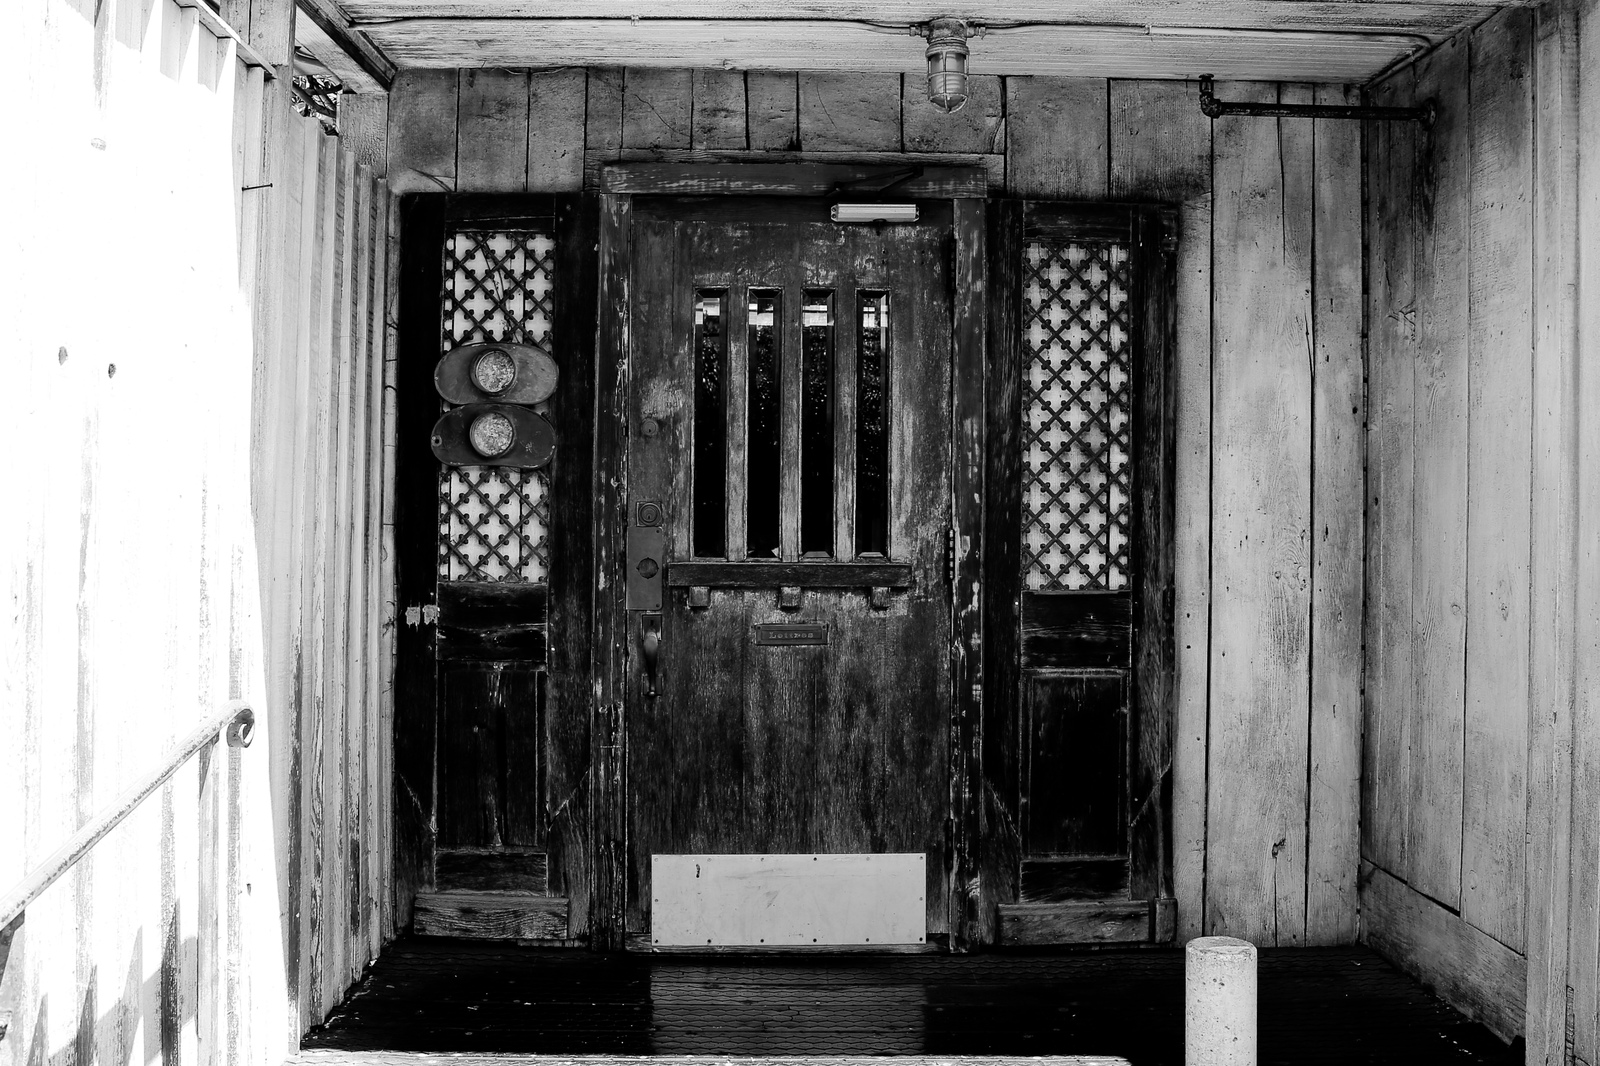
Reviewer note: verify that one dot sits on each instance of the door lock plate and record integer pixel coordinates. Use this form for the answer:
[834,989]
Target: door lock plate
[647,558]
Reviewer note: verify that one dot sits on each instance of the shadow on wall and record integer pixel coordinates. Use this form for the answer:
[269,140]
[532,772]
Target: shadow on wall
[152,1007]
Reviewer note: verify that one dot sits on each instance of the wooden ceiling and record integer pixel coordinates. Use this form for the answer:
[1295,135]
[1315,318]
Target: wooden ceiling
[1256,40]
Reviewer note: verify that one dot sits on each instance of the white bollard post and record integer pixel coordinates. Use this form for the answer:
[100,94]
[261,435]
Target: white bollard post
[1219,999]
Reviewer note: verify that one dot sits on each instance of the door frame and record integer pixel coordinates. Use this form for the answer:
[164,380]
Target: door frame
[967,189]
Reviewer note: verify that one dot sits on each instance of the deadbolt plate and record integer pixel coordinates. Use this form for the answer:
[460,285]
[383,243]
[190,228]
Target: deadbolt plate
[647,560]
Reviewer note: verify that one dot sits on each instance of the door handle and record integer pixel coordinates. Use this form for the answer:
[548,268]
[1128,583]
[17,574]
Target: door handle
[651,644]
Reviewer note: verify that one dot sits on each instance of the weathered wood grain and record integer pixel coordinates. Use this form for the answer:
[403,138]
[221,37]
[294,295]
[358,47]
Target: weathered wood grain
[1477,974]
[556,103]
[773,110]
[1499,472]
[364,129]
[607,914]
[491,915]
[844,112]
[1338,400]
[1043,49]
[1159,147]
[572,587]
[1391,268]
[794,173]
[719,110]
[1056,138]
[657,108]
[602,133]
[1261,513]
[1192,562]
[978,127]
[492,128]
[1429,18]
[1000,837]
[422,131]
[1553,555]
[1583,973]
[1439,488]
[970,911]
[1094,922]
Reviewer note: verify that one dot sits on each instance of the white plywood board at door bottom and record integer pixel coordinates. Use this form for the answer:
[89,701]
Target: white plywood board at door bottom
[779,900]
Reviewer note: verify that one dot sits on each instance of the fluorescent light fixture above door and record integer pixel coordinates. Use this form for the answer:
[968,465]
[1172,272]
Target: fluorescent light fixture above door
[874,212]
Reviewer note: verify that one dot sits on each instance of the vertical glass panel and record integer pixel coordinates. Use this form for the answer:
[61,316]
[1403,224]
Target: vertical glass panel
[766,418]
[872,426]
[710,472]
[816,424]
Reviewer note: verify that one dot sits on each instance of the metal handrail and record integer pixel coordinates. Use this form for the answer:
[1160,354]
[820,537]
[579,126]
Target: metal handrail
[239,721]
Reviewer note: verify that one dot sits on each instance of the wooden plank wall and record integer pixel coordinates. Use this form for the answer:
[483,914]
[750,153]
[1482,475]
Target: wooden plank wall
[190,307]
[1479,525]
[1269,373]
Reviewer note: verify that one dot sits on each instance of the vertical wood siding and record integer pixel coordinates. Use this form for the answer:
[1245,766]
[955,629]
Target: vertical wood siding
[191,309]
[1475,521]
[1269,365]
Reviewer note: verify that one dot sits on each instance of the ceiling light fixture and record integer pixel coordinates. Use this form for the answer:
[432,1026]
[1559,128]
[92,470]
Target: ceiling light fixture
[947,61]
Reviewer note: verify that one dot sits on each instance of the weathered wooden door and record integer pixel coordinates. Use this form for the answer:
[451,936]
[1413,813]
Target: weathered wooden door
[789,472]
[494,567]
[1078,575]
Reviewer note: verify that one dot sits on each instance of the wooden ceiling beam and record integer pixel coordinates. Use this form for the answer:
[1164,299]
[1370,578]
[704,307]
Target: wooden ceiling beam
[327,33]
[1433,17]
[1068,51]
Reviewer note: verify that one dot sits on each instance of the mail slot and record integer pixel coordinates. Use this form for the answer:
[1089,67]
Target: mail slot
[790,635]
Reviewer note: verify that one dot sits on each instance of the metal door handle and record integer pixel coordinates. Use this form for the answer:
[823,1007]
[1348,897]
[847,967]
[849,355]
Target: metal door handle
[652,652]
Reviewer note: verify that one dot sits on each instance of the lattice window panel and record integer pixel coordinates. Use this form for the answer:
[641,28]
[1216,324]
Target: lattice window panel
[1077,416]
[494,522]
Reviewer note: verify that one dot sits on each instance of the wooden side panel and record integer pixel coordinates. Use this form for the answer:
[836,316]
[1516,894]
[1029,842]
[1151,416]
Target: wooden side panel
[1391,271]
[1160,149]
[422,131]
[556,109]
[1439,488]
[1261,513]
[719,110]
[978,127]
[492,129]
[1056,138]
[773,110]
[1553,555]
[1478,974]
[1337,415]
[1583,974]
[657,108]
[1499,471]
[1000,827]
[842,112]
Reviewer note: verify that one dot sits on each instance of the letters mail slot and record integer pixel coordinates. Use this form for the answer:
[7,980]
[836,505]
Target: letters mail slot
[784,635]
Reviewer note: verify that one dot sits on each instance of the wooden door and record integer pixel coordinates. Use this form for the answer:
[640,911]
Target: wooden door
[494,566]
[1078,716]
[789,462]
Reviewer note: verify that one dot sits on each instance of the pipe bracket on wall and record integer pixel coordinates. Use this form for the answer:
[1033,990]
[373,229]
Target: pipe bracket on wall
[1214,108]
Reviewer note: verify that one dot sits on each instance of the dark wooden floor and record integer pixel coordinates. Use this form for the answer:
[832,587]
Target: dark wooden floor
[1344,1005]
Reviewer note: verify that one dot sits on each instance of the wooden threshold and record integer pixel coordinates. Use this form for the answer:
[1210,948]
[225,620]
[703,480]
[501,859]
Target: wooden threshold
[490,915]
[423,1058]
[1135,921]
